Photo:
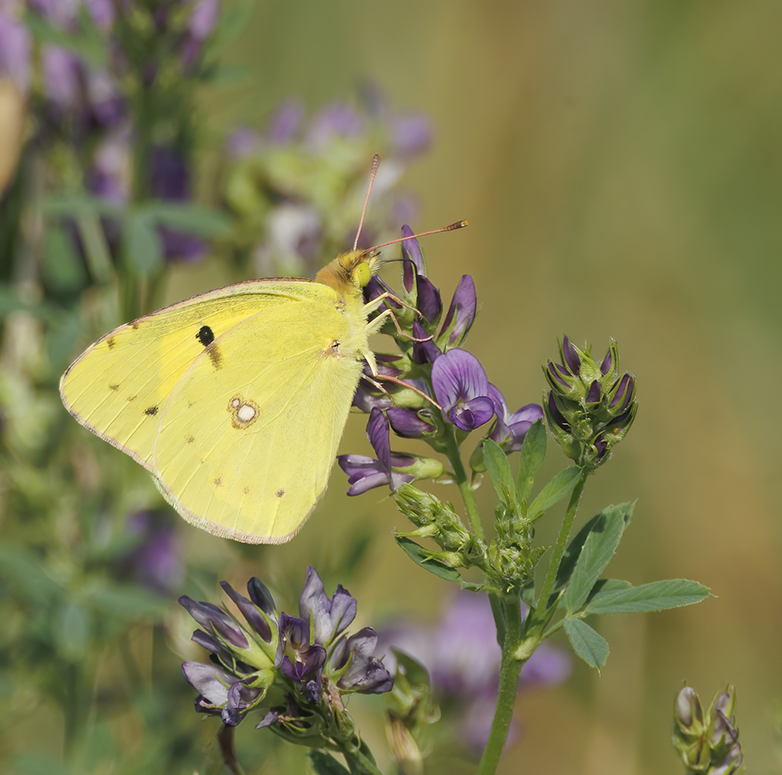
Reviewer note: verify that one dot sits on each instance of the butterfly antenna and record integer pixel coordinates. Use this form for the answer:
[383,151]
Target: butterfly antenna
[450,227]
[372,173]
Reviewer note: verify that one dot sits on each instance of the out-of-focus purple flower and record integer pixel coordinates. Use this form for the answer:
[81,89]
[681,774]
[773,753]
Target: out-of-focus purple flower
[463,657]
[338,120]
[293,233]
[105,103]
[461,313]
[328,617]
[202,21]
[62,77]
[285,123]
[15,51]
[509,429]
[157,561]
[242,141]
[462,389]
[411,134]
[60,13]
[102,13]
[170,181]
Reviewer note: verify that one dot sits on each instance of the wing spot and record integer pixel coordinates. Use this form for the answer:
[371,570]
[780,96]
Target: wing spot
[151,411]
[110,342]
[245,490]
[244,412]
[205,335]
[218,481]
[134,325]
[280,492]
[114,388]
[189,439]
[131,399]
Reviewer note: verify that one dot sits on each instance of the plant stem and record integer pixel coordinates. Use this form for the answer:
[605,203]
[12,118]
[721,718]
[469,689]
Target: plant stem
[559,548]
[359,764]
[510,669]
[463,482]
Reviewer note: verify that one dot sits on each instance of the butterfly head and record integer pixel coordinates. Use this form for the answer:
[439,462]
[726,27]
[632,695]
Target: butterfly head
[351,270]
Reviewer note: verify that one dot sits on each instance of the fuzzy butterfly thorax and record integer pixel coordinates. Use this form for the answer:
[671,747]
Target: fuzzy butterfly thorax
[349,272]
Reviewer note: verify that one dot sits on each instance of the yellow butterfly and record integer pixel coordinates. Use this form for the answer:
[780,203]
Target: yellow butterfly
[235,400]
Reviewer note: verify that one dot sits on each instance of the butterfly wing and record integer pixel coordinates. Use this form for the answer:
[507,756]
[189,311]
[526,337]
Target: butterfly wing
[150,386]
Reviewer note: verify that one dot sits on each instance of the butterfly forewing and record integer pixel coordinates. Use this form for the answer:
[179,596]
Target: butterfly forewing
[235,400]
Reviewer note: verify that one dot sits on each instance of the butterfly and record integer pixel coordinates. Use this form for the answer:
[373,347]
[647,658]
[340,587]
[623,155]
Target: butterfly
[235,400]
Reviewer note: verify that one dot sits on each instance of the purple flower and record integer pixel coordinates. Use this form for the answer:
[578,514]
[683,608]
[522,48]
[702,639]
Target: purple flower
[411,134]
[15,51]
[285,123]
[424,348]
[462,389]
[62,77]
[306,670]
[365,473]
[157,561]
[102,13]
[365,672]
[170,181]
[328,617]
[509,429]
[109,177]
[408,423]
[461,313]
[338,120]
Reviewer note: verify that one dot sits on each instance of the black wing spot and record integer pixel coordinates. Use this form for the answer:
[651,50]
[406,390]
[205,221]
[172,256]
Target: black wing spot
[280,492]
[205,335]
[151,411]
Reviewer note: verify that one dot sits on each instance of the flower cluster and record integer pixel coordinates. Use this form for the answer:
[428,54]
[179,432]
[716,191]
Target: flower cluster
[445,393]
[590,406]
[296,188]
[707,743]
[309,660]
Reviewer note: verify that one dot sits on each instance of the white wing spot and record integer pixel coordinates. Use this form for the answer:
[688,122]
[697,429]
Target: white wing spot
[244,412]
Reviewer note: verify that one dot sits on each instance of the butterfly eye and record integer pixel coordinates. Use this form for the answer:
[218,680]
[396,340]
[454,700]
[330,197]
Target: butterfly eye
[362,274]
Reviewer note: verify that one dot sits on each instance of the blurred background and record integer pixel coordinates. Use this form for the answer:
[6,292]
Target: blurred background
[621,170]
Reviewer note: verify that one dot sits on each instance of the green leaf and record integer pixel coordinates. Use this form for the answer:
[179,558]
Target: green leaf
[554,491]
[62,268]
[587,643]
[191,218]
[533,452]
[73,205]
[24,570]
[599,547]
[141,244]
[322,763]
[499,470]
[86,41]
[655,596]
[427,561]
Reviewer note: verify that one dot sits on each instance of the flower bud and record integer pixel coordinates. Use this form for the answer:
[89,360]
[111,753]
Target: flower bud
[589,407]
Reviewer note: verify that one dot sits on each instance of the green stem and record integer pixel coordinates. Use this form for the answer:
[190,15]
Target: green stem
[463,482]
[510,669]
[559,548]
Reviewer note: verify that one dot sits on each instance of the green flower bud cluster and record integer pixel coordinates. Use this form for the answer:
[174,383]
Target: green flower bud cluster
[590,406]
[440,522]
[707,743]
